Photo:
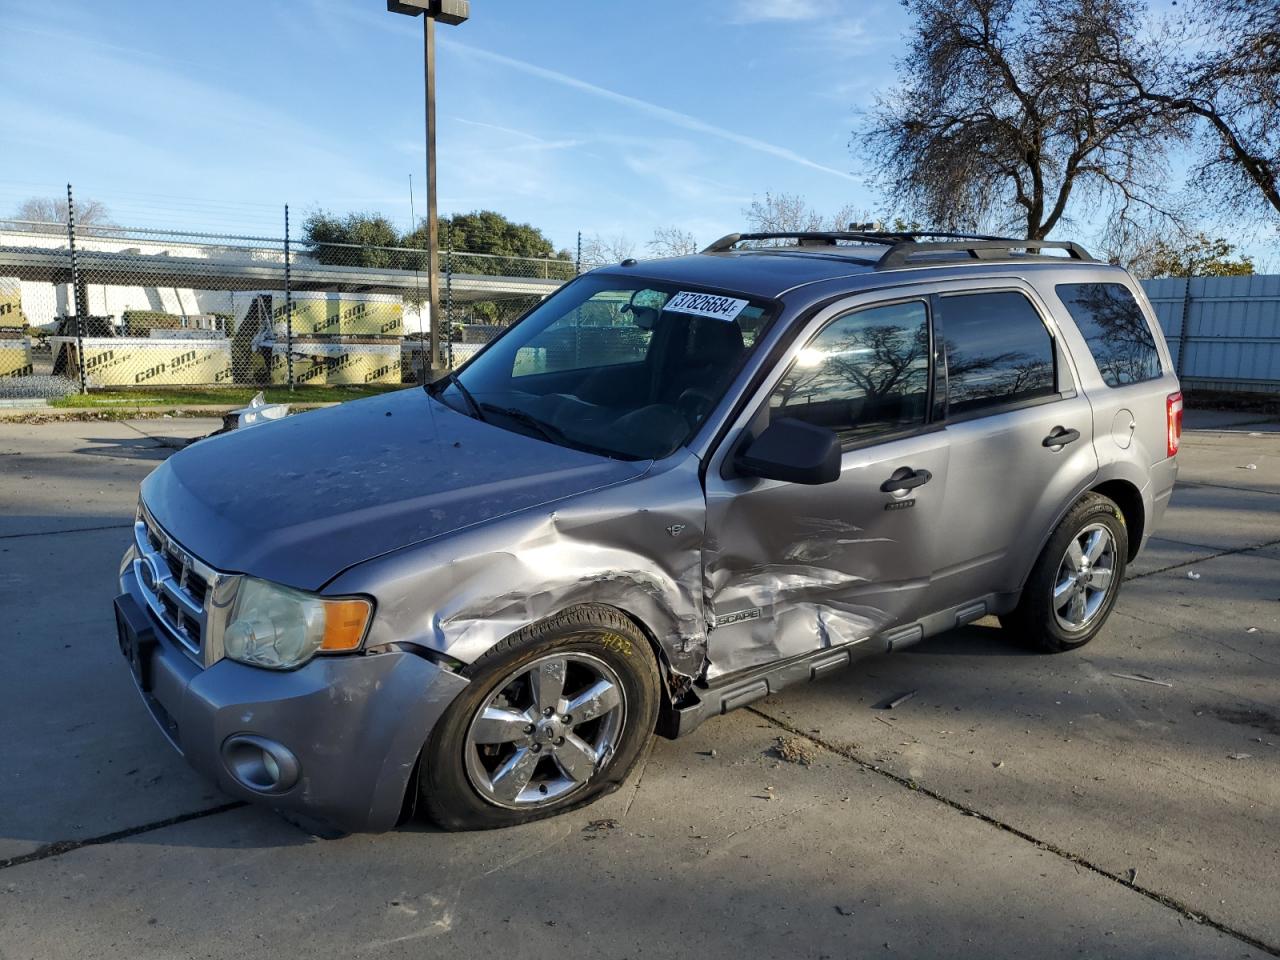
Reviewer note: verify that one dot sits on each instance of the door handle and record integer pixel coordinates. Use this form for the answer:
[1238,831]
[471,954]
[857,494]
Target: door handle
[904,478]
[1060,437]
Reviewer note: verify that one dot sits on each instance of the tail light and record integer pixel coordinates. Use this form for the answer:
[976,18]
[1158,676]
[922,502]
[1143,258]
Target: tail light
[1173,408]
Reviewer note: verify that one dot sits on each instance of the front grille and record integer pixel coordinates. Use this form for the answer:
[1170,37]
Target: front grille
[175,584]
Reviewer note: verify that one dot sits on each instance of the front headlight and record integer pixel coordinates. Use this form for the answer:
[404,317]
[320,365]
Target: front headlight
[281,628]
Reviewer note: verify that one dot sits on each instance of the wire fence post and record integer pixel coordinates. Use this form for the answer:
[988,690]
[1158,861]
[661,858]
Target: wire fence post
[77,298]
[577,263]
[288,303]
[1180,367]
[448,295]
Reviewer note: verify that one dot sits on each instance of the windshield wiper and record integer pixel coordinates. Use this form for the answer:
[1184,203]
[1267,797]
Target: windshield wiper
[546,430]
[549,432]
[453,378]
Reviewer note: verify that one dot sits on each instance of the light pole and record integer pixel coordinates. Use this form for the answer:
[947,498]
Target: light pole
[451,12]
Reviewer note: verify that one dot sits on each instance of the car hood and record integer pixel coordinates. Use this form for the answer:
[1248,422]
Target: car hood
[299,500]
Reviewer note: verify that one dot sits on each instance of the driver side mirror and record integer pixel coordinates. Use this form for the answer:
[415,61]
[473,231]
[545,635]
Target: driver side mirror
[794,451]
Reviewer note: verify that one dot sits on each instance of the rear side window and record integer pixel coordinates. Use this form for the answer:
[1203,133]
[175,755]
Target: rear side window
[998,352]
[866,374]
[1112,323]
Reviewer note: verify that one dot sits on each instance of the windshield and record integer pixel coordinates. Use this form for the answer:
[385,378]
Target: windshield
[624,367]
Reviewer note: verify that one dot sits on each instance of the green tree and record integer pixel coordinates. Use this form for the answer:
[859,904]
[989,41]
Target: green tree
[1195,256]
[356,240]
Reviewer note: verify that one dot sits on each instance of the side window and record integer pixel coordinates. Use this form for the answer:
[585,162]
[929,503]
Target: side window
[1112,323]
[865,374]
[600,332]
[998,351]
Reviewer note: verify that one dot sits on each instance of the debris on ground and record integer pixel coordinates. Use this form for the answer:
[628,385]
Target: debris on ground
[997,764]
[1133,874]
[1250,466]
[795,750]
[900,699]
[604,823]
[1252,630]
[1192,575]
[1141,679]
[257,412]
[1239,756]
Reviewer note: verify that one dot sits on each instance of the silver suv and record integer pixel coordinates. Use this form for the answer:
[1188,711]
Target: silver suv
[672,488]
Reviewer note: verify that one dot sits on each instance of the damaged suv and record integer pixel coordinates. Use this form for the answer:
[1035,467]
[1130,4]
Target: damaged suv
[671,488]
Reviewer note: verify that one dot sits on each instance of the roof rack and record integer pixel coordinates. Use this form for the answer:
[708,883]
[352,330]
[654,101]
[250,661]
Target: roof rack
[806,238]
[904,245]
[986,248]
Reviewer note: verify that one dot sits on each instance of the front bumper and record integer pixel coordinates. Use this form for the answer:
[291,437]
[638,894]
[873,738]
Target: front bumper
[355,724]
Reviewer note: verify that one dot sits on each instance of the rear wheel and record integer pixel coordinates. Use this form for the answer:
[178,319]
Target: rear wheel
[554,717]
[1074,584]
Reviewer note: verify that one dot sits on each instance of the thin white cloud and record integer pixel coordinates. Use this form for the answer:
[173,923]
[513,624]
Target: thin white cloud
[674,117]
[528,141]
[760,11]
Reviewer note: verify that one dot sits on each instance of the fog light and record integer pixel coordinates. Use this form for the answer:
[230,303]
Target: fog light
[259,764]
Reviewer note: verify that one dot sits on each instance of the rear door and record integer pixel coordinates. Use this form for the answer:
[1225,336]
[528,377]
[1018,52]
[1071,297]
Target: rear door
[1020,436]
[790,568]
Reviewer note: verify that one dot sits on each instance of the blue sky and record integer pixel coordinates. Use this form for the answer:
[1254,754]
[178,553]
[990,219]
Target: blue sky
[594,115]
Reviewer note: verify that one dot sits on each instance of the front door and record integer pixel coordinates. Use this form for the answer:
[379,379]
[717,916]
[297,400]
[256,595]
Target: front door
[791,568]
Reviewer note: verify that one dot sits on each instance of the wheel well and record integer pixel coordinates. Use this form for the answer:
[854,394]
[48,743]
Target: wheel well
[1129,500]
[668,689]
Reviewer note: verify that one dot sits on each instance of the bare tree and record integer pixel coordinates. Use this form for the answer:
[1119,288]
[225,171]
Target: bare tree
[1216,67]
[672,242]
[611,249]
[791,213]
[54,210]
[1009,112]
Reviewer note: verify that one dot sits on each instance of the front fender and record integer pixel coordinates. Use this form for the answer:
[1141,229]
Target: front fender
[637,547]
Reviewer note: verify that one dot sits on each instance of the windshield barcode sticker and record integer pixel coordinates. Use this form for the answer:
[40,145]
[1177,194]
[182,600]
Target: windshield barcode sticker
[706,305]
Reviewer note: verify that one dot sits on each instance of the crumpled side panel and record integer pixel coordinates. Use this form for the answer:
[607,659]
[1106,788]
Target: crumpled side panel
[636,547]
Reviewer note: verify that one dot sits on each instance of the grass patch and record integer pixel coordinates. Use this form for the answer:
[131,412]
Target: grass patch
[185,397]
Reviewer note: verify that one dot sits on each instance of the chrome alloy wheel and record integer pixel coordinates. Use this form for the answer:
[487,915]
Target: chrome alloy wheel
[1085,577]
[546,730]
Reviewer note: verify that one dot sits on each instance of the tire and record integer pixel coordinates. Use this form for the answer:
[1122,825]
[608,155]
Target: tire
[496,759]
[1061,607]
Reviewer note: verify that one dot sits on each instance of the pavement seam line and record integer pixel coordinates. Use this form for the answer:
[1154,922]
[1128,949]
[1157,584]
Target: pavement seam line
[1227,486]
[54,533]
[1206,559]
[59,847]
[1156,897]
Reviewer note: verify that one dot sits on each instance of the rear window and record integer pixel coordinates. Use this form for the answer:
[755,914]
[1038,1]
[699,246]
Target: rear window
[998,352]
[1112,323]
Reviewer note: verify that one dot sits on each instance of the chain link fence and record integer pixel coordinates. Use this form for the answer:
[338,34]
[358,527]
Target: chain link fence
[110,308]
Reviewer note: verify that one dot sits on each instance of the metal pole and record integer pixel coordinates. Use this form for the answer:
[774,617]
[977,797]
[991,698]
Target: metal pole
[433,255]
[77,297]
[288,302]
[577,263]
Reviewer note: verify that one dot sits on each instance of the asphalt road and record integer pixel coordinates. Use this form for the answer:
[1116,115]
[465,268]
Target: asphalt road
[1015,805]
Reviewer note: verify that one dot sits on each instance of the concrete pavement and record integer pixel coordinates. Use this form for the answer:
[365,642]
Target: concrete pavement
[1015,802]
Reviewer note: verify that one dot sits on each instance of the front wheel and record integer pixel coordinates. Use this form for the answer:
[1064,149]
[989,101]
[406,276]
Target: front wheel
[554,717]
[1074,584]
